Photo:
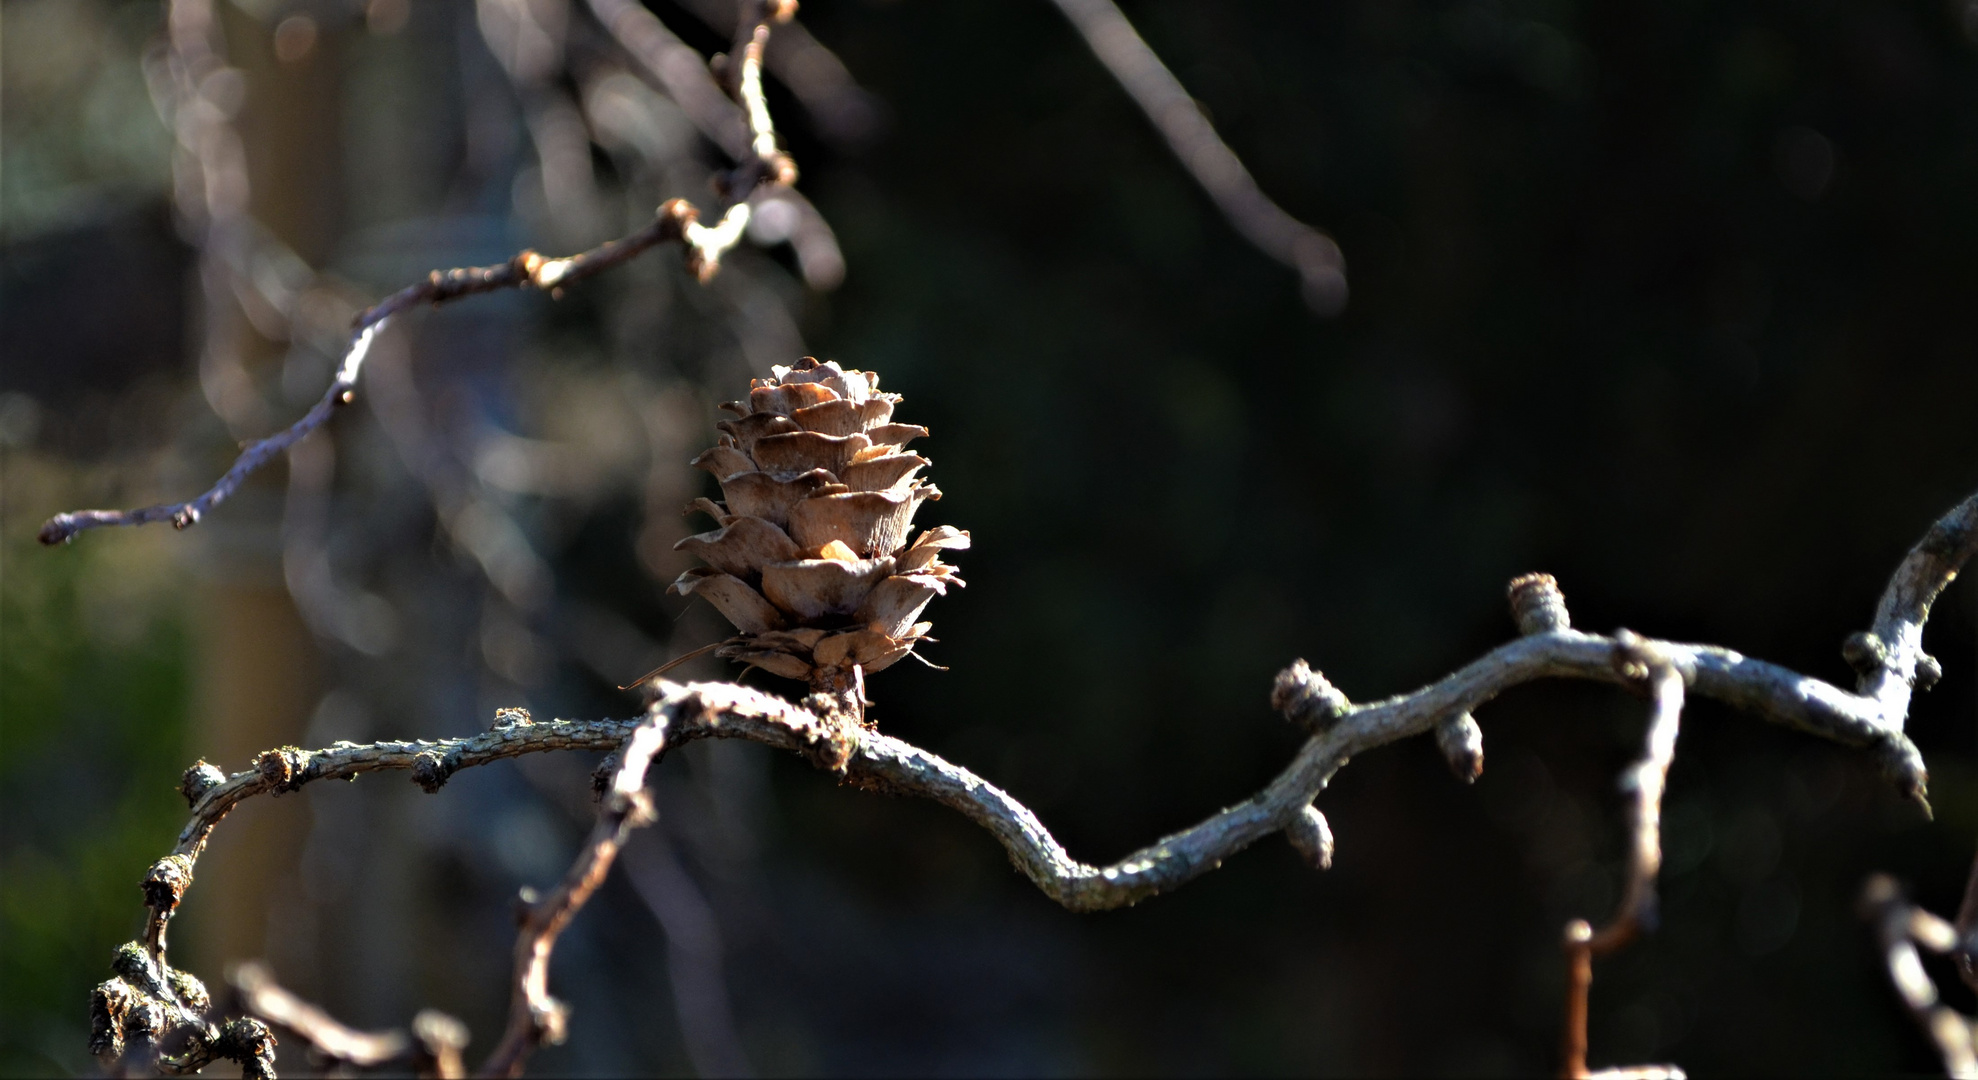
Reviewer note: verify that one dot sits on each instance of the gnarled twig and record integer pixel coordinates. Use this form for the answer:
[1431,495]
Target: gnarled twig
[869,759]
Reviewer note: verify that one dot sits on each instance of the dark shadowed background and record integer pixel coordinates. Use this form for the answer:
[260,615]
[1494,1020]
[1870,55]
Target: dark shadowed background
[1677,301]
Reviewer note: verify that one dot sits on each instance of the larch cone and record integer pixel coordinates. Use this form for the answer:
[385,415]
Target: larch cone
[811,560]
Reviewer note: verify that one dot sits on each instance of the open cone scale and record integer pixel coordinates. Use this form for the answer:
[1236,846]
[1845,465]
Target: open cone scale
[810,560]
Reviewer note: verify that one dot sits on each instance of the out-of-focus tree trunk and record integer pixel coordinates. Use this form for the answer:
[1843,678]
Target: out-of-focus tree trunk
[258,671]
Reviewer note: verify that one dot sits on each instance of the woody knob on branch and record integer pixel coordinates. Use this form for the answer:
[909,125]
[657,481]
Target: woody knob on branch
[811,560]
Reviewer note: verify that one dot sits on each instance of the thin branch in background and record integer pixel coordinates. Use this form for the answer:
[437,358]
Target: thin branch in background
[1967,931]
[693,955]
[1900,927]
[1317,259]
[1644,781]
[198,95]
[841,110]
[676,220]
[680,71]
[431,1049]
[535,1018]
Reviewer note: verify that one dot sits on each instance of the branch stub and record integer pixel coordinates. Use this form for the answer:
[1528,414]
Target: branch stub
[1461,742]
[431,770]
[1307,699]
[200,778]
[1311,837]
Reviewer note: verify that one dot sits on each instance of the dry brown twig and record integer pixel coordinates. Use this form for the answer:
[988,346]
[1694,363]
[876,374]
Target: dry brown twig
[1548,648]
[1635,659]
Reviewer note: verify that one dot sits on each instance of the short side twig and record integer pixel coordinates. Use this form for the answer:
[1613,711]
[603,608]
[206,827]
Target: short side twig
[1320,266]
[1644,782]
[535,1018]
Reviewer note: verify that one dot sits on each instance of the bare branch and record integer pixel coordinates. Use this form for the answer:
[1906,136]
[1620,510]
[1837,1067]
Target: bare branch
[676,220]
[534,1017]
[1900,927]
[831,737]
[431,1049]
[1321,268]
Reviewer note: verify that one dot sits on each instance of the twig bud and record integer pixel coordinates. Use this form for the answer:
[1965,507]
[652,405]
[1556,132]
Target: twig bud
[1865,652]
[1461,742]
[249,1042]
[552,1020]
[601,776]
[132,963]
[1538,605]
[431,770]
[1928,671]
[166,882]
[1311,837]
[1902,765]
[1306,698]
[283,767]
[507,718]
[201,778]
[109,1008]
[190,990]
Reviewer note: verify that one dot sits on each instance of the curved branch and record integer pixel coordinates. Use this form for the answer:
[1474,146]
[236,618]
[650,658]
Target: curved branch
[873,760]
[833,740]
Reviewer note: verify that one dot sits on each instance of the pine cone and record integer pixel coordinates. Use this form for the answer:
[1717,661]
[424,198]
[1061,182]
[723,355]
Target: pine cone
[811,562]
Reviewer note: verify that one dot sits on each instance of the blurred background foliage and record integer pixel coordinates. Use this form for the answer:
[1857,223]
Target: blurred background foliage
[1671,300]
